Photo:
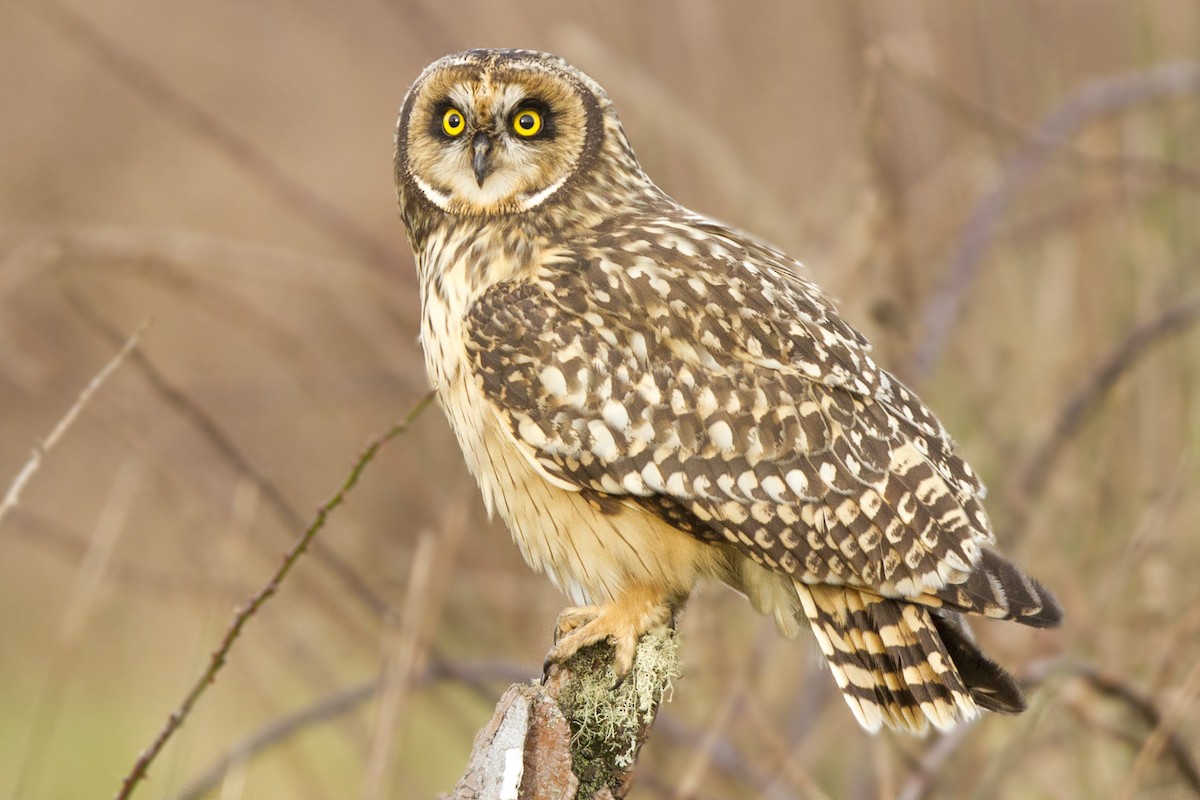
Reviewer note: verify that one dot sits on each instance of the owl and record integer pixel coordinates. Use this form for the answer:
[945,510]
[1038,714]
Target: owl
[652,400]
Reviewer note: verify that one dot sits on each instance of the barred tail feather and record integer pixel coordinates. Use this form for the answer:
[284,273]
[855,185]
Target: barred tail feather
[892,662]
[996,588]
[991,686]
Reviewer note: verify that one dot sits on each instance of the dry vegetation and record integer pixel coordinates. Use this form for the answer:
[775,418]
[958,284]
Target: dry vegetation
[1004,196]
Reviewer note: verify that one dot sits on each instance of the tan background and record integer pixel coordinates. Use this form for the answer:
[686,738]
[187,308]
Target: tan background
[223,168]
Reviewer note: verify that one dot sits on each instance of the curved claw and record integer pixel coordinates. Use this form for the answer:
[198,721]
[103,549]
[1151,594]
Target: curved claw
[621,623]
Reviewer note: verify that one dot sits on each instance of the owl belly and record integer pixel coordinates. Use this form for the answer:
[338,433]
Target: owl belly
[592,555]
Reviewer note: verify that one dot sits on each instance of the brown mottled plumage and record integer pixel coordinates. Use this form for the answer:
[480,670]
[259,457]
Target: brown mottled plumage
[650,399]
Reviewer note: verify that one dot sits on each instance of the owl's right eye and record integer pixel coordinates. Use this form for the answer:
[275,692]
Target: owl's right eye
[453,122]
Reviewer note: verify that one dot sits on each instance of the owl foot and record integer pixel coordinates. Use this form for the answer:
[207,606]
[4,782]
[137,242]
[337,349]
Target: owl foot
[621,623]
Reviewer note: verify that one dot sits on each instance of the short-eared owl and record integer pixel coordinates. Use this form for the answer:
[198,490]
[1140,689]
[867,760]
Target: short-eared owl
[651,399]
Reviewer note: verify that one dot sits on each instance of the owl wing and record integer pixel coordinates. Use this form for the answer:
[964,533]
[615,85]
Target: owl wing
[702,377]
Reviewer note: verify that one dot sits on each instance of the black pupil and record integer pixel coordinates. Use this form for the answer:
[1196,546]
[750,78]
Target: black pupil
[454,120]
[526,121]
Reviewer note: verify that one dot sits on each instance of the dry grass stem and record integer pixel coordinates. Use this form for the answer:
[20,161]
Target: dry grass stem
[406,652]
[13,496]
[80,610]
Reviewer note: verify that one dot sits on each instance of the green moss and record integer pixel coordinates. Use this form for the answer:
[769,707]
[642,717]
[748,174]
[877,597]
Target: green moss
[607,723]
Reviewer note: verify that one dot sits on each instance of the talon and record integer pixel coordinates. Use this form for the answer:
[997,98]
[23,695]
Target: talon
[621,624]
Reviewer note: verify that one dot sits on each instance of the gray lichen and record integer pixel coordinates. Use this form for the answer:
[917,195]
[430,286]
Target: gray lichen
[609,721]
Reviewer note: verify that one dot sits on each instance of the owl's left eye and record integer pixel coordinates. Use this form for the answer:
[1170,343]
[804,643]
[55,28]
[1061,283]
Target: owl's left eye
[527,122]
[453,122]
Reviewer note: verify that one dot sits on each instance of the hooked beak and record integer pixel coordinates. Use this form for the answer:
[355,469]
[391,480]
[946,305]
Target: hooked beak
[481,147]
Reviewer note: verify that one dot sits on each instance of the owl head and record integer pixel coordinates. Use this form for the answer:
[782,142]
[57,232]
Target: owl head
[501,132]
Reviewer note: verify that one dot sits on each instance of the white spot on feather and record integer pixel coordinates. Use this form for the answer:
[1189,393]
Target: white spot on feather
[721,435]
[553,379]
[616,415]
[604,446]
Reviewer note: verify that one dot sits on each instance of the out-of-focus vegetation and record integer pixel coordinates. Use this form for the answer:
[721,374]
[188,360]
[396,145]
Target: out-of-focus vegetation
[224,169]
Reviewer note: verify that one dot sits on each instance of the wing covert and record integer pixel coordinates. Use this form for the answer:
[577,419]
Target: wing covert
[735,394]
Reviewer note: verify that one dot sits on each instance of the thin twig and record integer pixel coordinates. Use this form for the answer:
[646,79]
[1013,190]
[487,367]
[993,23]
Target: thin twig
[13,495]
[688,785]
[243,614]
[1096,99]
[926,769]
[1163,733]
[178,400]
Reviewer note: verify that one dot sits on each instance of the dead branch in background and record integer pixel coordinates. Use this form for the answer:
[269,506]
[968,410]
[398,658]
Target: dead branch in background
[1033,476]
[1162,725]
[476,676]
[1096,99]
[997,124]
[1162,738]
[690,131]
[925,771]
[243,615]
[144,81]
[13,496]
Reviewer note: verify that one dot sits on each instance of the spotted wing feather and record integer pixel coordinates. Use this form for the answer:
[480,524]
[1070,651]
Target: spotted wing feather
[741,396]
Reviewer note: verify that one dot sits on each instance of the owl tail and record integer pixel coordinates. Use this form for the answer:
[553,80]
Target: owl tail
[904,665]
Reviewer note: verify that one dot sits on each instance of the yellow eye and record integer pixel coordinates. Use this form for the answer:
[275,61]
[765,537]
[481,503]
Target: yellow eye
[453,122]
[527,122]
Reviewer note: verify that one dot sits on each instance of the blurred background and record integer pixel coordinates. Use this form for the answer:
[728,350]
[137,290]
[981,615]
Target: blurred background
[1004,196]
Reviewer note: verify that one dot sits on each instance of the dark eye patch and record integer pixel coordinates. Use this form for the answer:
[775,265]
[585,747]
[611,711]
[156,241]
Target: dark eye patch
[532,104]
[435,120]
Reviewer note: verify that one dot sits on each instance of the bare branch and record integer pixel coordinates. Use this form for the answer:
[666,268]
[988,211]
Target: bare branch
[1032,479]
[13,496]
[1096,99]
[926,769]
[243,615]
[1162,725]
[992,121]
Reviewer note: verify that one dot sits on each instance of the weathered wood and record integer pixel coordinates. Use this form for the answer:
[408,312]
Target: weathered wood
[576,735]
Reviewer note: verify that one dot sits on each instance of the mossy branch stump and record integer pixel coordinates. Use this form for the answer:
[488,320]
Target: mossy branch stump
[577,735]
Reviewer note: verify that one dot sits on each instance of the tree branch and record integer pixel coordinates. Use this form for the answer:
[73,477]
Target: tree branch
[577,735]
